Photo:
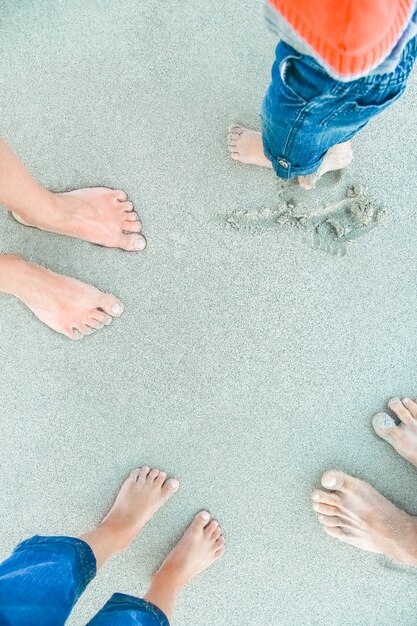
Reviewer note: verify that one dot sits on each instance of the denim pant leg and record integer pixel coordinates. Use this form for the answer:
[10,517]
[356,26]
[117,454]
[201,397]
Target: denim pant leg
[305,111]
[42,580]
[124,610]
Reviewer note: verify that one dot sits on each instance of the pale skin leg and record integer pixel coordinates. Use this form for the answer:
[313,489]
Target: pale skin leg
[355,513]
[98,215]
[140,496]
[66,305]
[246,146]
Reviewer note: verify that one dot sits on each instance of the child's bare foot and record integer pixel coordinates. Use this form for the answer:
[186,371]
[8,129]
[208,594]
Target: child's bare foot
[139,498]
[65,304]
[99,215]
[246,146]
[403,437]
[201,545]
[337,157]
[356,513]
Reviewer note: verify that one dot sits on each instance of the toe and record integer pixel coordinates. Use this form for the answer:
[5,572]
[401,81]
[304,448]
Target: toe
[201,520]
[111,305]
[324,497]
[102,317]
[160,479]
[143,472]
[154,473]
[219,542]
[211,528]
[217,534]
[131,226]
[385,427]
[411,406]
[220,552]
[74,334]
[236,129]
[132,242]
[126,207]
[169,487]
[131,217]
[95,323]
[400,411]
[336,532]
[120,195]
[326,509]
[329,520]
[335,480]
[85,330]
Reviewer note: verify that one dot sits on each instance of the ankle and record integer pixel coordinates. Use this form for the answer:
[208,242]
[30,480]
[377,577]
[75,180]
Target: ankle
[168,579]
[117,538]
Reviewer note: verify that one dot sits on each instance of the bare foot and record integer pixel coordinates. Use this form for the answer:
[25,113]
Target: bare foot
[66,305]
[99,215]
[336,158]
[356,513]
[246,146]
[404,436]
[139,498]
[201,545]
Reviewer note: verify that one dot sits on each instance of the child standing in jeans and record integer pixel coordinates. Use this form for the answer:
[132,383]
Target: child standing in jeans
[338,64]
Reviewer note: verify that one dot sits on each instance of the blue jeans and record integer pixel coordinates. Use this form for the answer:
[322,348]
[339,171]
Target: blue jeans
[43,579]
[305,112]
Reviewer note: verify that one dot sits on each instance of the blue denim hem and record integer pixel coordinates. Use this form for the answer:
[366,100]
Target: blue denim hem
[125,602]
[85,554]
[290,171]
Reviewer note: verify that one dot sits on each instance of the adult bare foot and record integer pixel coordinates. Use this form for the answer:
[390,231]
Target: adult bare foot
[336,158]
[403,437]
[65,304]
[201,545]
[356,513]
[139,498]
[99,215]
[246,146]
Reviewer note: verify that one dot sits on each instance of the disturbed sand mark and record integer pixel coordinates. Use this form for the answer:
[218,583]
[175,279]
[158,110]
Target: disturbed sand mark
[330,227]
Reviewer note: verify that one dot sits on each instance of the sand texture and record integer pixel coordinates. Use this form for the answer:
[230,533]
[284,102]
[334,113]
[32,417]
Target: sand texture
[249,359]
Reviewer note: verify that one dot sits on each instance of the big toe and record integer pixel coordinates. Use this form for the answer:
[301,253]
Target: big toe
[334,480]
[111,305]
[200,521]
[384,425]
[169,487]
[132,242]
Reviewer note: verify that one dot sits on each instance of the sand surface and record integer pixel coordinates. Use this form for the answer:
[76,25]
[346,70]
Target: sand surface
[248,361]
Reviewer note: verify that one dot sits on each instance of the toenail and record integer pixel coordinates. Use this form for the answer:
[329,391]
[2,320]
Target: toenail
[117,308]
[315,497]
[139,244]
[205,515]
[406,400]
[395,401]
[330,481]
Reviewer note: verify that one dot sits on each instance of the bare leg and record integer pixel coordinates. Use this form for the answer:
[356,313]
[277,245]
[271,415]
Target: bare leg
[355,513]
[98,215]
[141,495]
[246,146]
[66,305]
[201,545]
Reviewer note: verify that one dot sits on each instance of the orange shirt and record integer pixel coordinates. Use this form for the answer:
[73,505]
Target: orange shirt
[351,36]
